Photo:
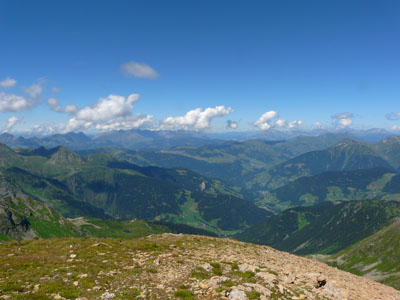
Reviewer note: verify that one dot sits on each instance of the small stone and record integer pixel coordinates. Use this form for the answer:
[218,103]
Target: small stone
[203,285]
[246,268]
[75,283]
[72,256]
[82,276]
[96,288]
[36,287]
[108,295]
[207,267]
[222,279]
[237,295]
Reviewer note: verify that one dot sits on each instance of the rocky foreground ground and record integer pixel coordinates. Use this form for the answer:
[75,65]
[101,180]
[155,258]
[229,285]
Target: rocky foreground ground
[171,266]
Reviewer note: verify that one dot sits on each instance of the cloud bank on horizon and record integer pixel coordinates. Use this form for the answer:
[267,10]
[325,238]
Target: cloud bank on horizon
[115,112]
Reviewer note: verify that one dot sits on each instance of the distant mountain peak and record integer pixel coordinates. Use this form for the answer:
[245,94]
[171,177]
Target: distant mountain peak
[346,142]
[65,156]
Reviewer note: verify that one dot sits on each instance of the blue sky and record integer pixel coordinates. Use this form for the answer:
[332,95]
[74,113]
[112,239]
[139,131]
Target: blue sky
[305,60]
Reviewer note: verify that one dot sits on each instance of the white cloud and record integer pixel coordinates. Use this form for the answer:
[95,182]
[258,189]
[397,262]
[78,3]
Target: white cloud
[13,103]
[295,124]
[34,90]
[280,123]
[55,106]
[75,125]
[137,69]
[11,122]
[318,125]
[44,129]
[53,103]
[8,82]
[106,108]
[393,116]
[196,119]
[110,113]
[264,122]
[126,123]
[70,109]
[343,120]
[232,124]
[395,127]
[55,89]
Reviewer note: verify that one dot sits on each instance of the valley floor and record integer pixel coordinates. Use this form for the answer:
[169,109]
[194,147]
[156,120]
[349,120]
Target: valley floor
[170,266]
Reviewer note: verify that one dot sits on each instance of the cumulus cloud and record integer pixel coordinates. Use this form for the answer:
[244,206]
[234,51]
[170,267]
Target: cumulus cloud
[55,106]
[53,103]
[13,103]
[196,119]
[267,121]
[280,123]
[43,129]
[318,125]
[34,90]
[110,113]
[343,120]
[126,123]
[70,109]
[137,69]
[264,122]
[106,108]
[393,116]
[295,124]
[74,124]
[395,127]
[232,124]
[8,82]
[11,122]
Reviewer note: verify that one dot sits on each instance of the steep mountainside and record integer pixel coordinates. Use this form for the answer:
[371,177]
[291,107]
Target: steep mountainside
[376,183]
[323,228]
[347,155]
[389,149]
[25,218]
[376,257]
[172,267]
[98,185]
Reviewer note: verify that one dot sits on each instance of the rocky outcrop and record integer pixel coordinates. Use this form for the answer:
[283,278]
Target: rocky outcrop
[12,224]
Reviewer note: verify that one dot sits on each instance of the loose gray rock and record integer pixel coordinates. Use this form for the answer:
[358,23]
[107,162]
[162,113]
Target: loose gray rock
[237,295]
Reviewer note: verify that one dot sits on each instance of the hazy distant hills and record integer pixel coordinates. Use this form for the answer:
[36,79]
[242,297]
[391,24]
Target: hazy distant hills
[237,163]
[135,138]
[161,139]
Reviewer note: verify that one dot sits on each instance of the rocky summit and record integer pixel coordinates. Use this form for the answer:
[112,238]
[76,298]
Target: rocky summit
[171,266]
